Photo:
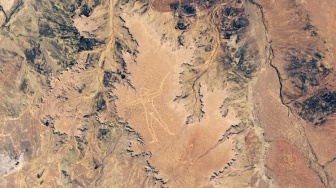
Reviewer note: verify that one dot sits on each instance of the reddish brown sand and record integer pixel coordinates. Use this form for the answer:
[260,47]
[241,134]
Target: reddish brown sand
[134,94]
[179,151]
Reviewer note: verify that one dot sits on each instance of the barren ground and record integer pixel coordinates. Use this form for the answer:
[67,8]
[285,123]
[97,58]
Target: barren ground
[173,93]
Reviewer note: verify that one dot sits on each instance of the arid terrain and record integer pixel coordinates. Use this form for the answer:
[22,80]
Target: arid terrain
[168,93]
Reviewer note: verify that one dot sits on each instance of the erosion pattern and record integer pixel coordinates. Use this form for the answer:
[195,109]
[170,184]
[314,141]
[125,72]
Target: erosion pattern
[167,93]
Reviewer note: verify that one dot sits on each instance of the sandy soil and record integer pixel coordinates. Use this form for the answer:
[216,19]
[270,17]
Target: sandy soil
[179,151]
[144,94]
[312,146]
[285,162]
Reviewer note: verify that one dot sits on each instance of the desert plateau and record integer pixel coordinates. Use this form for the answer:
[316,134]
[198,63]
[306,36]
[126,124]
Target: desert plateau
[168,93]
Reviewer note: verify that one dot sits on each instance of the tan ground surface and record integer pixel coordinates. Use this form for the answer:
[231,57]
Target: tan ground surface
[180,151]
[173,93]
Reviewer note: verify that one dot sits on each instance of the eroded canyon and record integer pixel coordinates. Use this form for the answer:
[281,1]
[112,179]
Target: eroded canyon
[167,93]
